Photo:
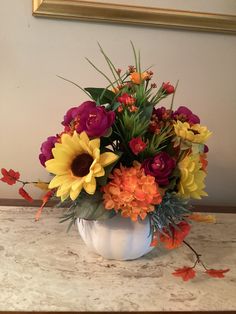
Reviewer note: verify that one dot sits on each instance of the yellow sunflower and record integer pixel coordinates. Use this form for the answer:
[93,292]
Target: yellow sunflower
[195,133]
[77,162]
[192,178]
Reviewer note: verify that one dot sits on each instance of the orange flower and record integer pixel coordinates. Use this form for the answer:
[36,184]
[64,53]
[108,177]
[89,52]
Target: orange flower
[132,192]
[137,77]
[203,161]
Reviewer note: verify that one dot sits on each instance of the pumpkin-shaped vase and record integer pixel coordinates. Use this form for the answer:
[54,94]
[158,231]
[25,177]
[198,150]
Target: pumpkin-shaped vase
[116,238]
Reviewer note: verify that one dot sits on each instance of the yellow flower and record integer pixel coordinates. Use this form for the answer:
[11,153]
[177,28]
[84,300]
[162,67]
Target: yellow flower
[195,133]
[191,183]
[137,77]
[76,163]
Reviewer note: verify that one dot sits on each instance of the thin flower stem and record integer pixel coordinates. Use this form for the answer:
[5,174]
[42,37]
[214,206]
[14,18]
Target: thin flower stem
[110,64]
[198,260]
[135,55]
[99,71]
[81,88]
[203,265]
[192,249]
[173,97]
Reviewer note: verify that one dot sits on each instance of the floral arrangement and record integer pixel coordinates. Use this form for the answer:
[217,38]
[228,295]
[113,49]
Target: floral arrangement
[121,153]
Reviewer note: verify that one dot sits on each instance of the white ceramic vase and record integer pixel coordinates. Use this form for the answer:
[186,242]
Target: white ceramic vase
[116,238]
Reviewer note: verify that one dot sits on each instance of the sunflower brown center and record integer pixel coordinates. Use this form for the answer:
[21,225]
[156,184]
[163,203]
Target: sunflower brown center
[81,164]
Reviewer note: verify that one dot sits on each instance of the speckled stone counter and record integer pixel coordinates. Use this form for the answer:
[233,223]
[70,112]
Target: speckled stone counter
[43,268]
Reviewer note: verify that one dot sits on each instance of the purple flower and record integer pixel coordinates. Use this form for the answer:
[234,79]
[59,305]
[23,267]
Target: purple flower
[160,167]
[206,149]
[185,115]
[162,113]
[46,149]
[88,117]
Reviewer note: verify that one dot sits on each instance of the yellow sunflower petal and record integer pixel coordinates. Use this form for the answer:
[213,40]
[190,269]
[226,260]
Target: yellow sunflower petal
[77,143]
[53,166]
[94,144]
[97,167]
[96,153]
[66,140]
[61,155]
[89,176]
[100,173]
[107,158]
[57,181]
[74,194]
[90,187]
[84,138]
[61,192]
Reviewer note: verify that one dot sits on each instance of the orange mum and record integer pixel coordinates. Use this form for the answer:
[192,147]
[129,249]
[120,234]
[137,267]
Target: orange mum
[132,192]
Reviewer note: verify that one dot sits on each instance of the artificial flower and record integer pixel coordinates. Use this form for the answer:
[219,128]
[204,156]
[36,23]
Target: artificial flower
[46,149]
[162,113]
[195,133]
[161,118]
[137,145]
[138,78]
[192,178]
[132,192]
[160,166]
[25,195]
[168,88]
[94,120]
[10,176]
[126,99]
[77,162]
[203,160]
[185,115]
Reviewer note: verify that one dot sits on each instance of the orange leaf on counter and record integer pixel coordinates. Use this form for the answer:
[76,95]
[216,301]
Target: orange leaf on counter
[186,273]
[217,273]
[202,218]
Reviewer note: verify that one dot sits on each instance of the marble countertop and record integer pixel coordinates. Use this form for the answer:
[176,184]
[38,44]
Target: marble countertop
[43,268]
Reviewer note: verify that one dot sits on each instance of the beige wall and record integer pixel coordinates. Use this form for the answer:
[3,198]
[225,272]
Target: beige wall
[33,100]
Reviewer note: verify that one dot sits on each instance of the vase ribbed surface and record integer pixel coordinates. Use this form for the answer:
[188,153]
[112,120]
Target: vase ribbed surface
[116,238]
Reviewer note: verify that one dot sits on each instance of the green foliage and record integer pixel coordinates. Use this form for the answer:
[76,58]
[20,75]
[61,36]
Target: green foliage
[86,206]
[170,211]
[131,125]
[158,142]
[101,95]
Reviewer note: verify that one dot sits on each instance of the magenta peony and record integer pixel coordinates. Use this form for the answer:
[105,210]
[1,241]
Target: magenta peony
[185,115]
[160,167]
[88,117]
[46,149]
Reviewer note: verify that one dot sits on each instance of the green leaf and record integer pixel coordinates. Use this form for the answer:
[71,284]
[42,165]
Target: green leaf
[115,106]
[147,109]
[101,95]
[108,133]
[92,208]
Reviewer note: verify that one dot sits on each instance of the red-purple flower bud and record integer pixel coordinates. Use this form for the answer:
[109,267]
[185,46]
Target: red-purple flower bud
[137,145]
[168,88]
